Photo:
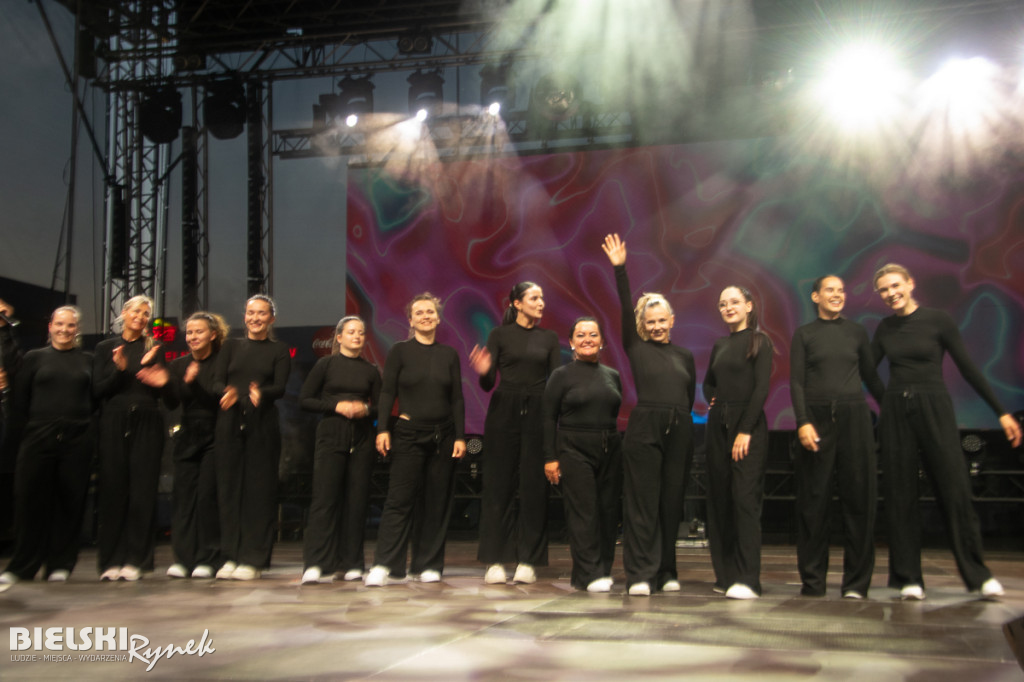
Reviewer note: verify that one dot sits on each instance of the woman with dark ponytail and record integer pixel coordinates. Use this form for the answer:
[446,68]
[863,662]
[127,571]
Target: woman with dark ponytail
[525,355]
[736,387]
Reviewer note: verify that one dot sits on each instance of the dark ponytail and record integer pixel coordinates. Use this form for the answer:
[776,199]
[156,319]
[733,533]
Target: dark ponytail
[757,337]
[517,293]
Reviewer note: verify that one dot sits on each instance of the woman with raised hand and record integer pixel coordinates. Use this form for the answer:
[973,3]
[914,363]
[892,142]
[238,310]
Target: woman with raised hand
[250,375]
[918,427]
[736,387]
[344,389]
[658,447]
[53,408]
[424,378]
[131,444]
[583,454]
[513,517]
[195,523]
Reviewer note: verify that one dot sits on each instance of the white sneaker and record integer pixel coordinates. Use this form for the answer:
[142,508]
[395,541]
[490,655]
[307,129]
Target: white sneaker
[226,571]
[640,590]
[429,576]
[495,575]
[671,586]
[992,588]
[245,572]
[600,585]
[740,591]
[311,576]
[353,574]
[852,594]
[112,573]
[59,576]
[177,571]
[525,574]
[8,578]
[130,573]
[202,571]
[912,592]
[377,577]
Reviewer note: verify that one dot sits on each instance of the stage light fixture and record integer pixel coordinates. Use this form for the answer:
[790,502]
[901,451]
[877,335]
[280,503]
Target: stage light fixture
[965,90]
[862,86]
[426,91]
[355,99]
[415,42]
[974,447]
[160,114]
[494,109]
[556,97]
[495,89]
[224,108]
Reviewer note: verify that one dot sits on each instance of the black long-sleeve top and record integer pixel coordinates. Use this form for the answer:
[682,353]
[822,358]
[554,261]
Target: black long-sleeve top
[915,344]
[122,390]
[339,377]
[197,397]
[580,395]
[734,378]
[663,373]
[53,384]
[427,382]
[830,360]
[525,358]
[243,361]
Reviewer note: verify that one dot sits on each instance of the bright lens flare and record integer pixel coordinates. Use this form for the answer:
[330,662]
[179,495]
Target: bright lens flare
[862,88]
[964,90]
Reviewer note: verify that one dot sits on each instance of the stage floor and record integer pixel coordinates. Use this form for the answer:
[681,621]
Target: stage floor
[461,629]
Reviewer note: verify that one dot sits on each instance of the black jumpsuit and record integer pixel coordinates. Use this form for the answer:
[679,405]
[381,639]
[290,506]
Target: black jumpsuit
[342,462]
[427,382]
[195,522]
[513,440]
[52,401]
[248,448]
[739,387]
[581,405]
[658,449]
[131,445]
[829,362]
[918,426]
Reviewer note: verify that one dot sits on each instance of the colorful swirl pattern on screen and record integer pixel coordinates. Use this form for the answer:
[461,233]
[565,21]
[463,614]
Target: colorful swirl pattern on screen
[695,218]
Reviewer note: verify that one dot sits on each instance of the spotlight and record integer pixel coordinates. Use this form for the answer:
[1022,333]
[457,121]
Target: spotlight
[556,97]
[356,96]
[494,88]
[494,109]
[415,42]
[426,91]
[224,108]
[862,86]
[354,100]
[964,90]
[160,114]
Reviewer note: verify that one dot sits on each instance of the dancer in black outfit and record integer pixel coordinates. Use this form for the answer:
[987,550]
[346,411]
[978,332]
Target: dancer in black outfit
[583,453]
[658,445]
[736,387]
[53,403]
[345,389]
[195,523]
[131,444]
[250,375]
[524,355]
[918,426]
[830,359]
[429,435]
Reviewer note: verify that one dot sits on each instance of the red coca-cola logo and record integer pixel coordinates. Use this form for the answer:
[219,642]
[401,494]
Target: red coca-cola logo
[322,341]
